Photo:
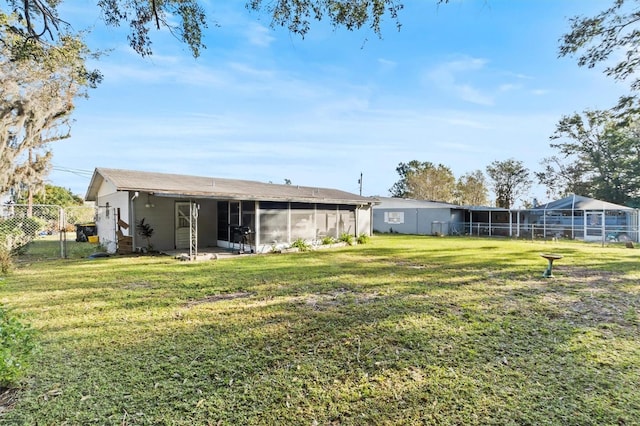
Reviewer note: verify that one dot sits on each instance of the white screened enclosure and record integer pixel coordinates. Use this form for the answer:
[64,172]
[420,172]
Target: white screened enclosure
[281,223]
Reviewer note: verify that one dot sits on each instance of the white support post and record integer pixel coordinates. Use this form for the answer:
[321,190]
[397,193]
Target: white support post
[193,230]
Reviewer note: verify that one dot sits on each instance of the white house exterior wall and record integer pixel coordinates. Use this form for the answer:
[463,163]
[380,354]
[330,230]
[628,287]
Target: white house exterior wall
[106,189]
[106,220]
[363,220]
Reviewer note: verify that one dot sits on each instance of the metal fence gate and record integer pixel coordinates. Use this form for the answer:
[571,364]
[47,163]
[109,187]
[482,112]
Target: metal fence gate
[21,224]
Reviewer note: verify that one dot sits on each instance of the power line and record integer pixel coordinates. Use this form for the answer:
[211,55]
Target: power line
[78,172]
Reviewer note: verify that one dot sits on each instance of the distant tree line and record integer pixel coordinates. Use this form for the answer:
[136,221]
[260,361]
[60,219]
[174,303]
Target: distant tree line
[508,179]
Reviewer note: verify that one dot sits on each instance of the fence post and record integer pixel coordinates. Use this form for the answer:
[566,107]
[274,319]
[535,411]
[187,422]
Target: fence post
[62,231]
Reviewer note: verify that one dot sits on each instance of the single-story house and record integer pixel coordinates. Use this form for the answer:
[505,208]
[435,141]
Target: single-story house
[191,212]
[574,217]
[420,217]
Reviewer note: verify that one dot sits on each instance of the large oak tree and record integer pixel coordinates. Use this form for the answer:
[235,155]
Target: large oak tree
[610,38]
[597,157]
[187,19]
[38,86]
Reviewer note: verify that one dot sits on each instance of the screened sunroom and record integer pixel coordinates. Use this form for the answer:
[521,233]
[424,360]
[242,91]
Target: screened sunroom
[276,224]
[583,218]
[573,217]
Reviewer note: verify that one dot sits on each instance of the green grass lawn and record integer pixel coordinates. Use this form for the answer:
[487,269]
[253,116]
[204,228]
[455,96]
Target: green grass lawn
[403,330]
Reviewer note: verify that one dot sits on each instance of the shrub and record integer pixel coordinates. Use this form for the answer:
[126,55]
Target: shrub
[347,238]
[6,261]
[17,232]
[363,239]
[16,346]
[301,244]
[328,240]
[145,230]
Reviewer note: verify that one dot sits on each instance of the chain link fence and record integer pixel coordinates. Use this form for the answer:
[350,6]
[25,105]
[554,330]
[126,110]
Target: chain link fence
[21,224]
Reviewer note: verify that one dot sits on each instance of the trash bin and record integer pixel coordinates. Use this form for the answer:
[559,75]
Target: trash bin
[84,231]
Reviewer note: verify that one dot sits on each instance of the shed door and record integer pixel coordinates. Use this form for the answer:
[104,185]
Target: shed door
[182,226]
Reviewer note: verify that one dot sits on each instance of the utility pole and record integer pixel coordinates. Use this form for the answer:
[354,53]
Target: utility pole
[360,182]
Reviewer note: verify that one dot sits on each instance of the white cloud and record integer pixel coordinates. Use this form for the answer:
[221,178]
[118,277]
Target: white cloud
[386,64]
[508,87]
[540,92]
[473,95]
[258,35]
[447,77]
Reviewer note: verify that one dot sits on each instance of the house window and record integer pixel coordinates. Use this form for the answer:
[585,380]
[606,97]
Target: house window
[394,217]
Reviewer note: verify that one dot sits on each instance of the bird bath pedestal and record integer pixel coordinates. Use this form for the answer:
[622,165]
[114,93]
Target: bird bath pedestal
[550,257]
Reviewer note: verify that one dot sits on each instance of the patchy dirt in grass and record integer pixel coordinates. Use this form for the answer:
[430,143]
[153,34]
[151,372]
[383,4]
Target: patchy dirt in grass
[575,274]
[337,298]
[8,398]
[218,297]
[592,296]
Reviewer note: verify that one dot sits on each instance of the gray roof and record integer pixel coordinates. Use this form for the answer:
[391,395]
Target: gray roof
[184,186]
[407,203]
[579,202]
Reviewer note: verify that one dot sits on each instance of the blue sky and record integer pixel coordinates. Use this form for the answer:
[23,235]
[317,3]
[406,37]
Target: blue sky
[462,84]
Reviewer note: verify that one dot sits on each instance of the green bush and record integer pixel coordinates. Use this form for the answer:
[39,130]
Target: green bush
[17,232]
[363,239]
[301,244]
[347,238]
[16,346]
[6,261]
[328,240]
